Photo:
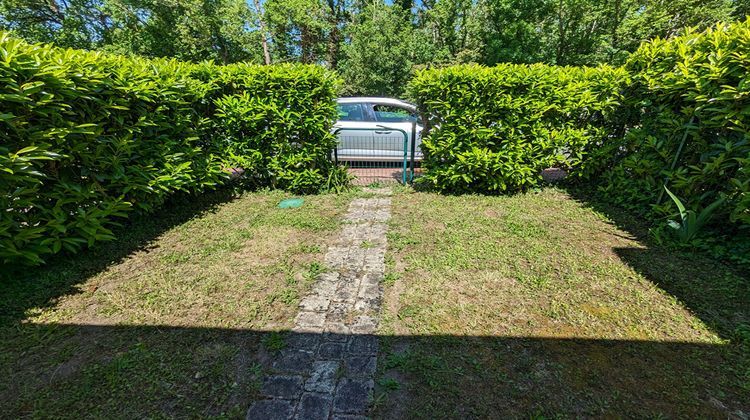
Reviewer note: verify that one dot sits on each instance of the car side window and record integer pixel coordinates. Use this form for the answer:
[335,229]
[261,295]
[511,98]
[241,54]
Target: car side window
[391,113]
[351,112]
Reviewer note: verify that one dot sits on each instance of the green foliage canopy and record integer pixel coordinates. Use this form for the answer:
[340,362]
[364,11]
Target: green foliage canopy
[375,44]
[689,106]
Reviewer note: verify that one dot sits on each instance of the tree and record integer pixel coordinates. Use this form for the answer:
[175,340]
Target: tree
[71,23]
[582,31]
[187,29]
[339,15]
[192,30]
[375,44]
[741,9]
[647,19]
[454,27]
[511,31]
[263,32]
[380,52]
[298,29]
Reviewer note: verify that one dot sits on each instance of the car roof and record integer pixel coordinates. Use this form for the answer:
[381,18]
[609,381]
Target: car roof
[376,100]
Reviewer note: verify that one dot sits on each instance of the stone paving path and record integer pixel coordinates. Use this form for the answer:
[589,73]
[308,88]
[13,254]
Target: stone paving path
[326,370]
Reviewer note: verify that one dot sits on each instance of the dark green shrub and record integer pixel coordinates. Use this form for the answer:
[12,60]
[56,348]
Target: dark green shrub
[675,116]
[87,137]
[280,117]
[495,129]
[692,99]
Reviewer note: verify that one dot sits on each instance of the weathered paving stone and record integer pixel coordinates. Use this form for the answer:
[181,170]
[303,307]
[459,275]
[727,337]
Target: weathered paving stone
[331,350]
[294,361]
[353,395]
[337,328]
[362,305]
[355,258]
[315,303]
[326,290]
[368,290]
[346,292]
[326,371]
[360,366]
[270,410]
[348,417]
[336,257]
[310,319]
[338,312]
[372,279]
[323,377]
[363,345]
[307,330]
[368,305]
[314,406]
[364,324]
[287,387]
[373,265]
[328,337]
[302,341]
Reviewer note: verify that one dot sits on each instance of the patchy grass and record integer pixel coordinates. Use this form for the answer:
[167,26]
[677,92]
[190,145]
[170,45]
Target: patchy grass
[537,306]
[167,321]
[534,305]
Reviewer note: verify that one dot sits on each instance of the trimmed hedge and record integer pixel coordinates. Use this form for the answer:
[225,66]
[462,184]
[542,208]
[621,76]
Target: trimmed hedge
[277,120]
[678,114]
[495,129]
[692,88]
[88,137]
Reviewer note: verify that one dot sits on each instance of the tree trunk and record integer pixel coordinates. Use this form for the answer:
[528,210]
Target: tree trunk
[334,39]
[57,14]
[263,33]
[307,45]
[335,16]
[616,24]
[561,28]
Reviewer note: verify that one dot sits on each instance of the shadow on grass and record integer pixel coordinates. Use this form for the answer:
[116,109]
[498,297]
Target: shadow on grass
[715,291]
[23,288]
[718,294]
[73,371]
[88,371]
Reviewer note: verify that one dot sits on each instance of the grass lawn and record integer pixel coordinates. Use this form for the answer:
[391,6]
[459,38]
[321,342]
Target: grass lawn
[536,305]
[167,321]
[533,305]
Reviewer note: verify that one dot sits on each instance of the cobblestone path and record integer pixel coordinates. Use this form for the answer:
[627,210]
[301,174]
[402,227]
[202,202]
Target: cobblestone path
[326,370]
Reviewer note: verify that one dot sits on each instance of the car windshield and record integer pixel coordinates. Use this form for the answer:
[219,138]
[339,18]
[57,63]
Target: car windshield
[392,113]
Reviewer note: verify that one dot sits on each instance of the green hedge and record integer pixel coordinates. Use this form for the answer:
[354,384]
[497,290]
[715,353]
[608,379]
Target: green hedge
[677,114]
[692,89]
[88,137]
[495,129]
[278,120]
